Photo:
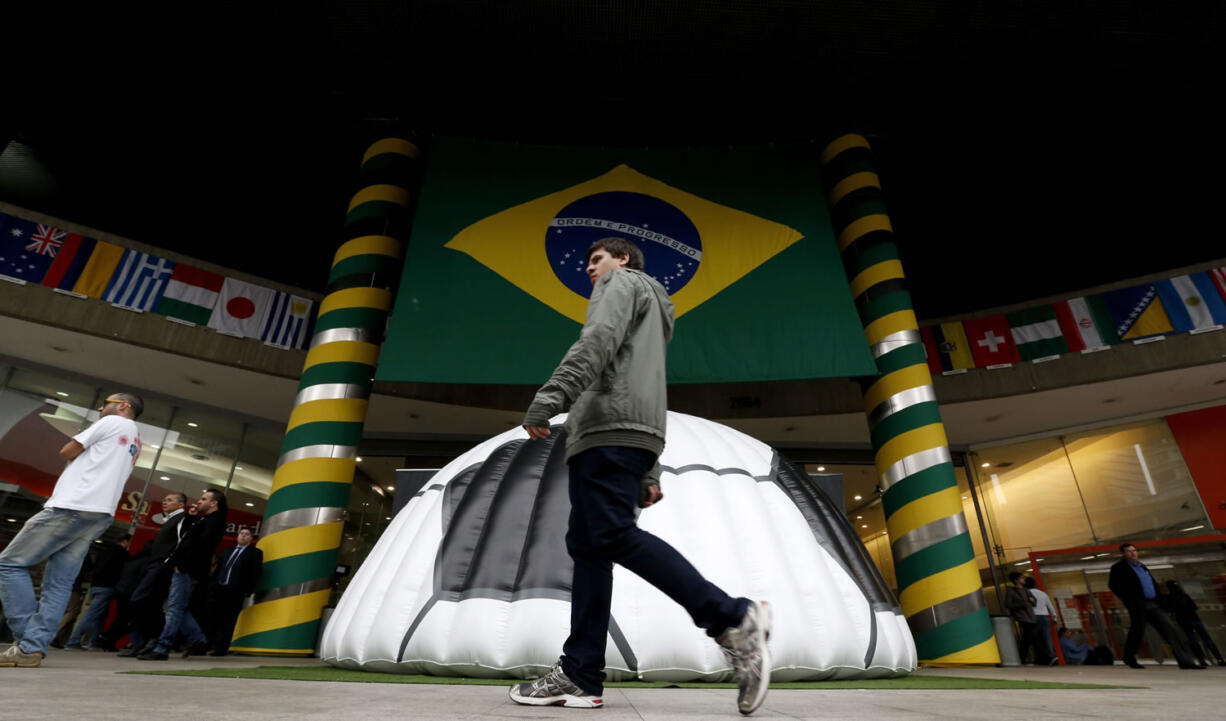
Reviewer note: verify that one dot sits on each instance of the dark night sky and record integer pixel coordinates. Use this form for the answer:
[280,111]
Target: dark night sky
[1026,148]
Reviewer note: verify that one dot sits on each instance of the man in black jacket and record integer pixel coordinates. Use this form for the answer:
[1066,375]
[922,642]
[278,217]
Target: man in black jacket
[102,583]
[1136,588]
[190,562]
[238,572]
[154,577]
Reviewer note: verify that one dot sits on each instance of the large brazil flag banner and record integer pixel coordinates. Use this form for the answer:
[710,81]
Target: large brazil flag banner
[495,287]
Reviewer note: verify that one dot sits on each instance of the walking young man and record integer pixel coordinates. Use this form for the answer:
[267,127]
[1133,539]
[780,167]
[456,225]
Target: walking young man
[100,459]
[612,380]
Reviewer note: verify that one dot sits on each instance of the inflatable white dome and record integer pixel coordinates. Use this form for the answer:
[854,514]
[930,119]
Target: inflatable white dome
[472,577]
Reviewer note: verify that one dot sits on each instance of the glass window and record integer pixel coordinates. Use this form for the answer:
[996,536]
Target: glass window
[1135,483]
[1030,496]
[257,463]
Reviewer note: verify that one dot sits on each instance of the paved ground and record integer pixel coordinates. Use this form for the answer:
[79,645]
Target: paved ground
[80,685]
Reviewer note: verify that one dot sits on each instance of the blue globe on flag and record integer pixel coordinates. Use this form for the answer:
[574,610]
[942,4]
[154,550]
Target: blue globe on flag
[672,248]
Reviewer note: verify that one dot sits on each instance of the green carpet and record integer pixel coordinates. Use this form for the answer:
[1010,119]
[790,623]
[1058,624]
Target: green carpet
[328,673]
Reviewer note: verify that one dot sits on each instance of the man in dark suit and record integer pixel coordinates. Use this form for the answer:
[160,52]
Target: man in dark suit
[237,574]
[190,562]
[1136,588]
[154,577]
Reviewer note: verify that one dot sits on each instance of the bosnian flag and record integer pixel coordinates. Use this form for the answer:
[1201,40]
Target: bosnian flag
[191,294]
[242,308]
[1192,302]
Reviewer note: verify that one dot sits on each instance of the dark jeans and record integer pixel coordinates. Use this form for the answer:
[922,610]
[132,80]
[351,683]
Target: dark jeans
[604,494]
[225,603]
[1199,639]
[1149,612]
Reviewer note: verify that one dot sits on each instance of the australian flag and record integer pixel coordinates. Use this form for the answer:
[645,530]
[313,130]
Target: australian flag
[27,249]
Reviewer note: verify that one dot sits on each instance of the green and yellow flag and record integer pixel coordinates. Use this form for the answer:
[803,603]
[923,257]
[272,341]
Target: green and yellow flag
[495,286]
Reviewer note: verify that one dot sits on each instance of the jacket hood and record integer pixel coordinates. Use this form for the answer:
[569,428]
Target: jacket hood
[666,303]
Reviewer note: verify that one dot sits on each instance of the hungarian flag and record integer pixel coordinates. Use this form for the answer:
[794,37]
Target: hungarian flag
[1085,323]
[991,340]
[947,347]
[191,294]
[1036,333]
[242,308]
[738,237]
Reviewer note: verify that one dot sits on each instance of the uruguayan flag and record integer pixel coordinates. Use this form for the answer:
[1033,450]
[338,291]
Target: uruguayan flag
[1192,302]
[139,281]
[286,326]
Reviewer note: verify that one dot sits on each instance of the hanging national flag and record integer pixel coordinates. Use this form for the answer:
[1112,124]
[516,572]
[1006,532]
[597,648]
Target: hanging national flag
[241,308]
[1137,312]
[1086,323]
[1036,332]
[733,235]
[990,340]
[21,254]
[69,262]
[287,323]
[947,348]
[99,269]
[1219,280]
[191,294]
[139,282]
[1192,302]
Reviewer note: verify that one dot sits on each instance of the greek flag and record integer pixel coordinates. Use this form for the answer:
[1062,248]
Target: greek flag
[139,281]
[286,326]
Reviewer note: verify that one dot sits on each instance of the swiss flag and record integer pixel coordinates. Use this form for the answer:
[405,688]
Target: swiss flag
[991,340]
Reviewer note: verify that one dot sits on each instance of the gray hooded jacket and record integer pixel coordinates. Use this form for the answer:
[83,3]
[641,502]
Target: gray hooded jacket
[612,379]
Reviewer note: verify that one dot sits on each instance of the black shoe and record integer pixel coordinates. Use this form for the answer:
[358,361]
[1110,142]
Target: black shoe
[154,655]
[129,652]
[1221,663]
[1133,664]
[1192,667]
[217,652]
[195,649]
[56,644]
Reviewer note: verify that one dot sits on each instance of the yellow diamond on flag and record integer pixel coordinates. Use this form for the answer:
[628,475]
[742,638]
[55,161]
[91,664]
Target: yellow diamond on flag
[695,248]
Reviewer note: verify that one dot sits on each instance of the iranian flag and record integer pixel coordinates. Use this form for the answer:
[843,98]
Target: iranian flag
[1036,333]
[1086,323]
[241,308]
[190,295]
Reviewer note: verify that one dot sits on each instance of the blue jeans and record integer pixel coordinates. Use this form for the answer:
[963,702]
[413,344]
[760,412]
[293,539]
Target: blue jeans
[1042,626]
[604,494]
[178,618]
[91,622]
[61,537]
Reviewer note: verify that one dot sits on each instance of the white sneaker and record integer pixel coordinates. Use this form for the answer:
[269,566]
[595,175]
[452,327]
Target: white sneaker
[554,689]
[745,646]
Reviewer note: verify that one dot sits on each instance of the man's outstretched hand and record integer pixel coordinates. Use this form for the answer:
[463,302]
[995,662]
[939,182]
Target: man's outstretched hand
[537,432]
[651,496]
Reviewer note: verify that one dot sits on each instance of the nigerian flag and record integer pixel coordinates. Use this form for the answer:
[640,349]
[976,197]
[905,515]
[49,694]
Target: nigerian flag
[495,290]
[1036,333]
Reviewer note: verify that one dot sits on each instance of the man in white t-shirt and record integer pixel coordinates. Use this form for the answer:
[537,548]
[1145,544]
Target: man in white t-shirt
[81,508]
[1044,614]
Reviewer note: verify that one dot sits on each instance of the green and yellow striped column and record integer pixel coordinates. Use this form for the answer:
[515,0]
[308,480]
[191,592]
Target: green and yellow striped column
[938,580]
[304,518]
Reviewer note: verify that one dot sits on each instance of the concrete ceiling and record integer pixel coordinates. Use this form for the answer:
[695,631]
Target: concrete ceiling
[243,393]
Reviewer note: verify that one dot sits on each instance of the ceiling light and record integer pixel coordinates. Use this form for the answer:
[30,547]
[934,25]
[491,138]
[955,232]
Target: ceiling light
[61,394]
[964,498]
[1088,558]
[863,525]
[857,497]
[193,425]
[359,459]
[821,468]
[859,518]
[391,488]
[238,468]
[164,478]
[249,504]
[97,540]
[388,517]
[154,445]
[1193,528]
[985,464]
[11,520]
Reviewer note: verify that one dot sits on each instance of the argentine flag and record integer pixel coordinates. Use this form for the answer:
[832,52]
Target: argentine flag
[1192,302]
